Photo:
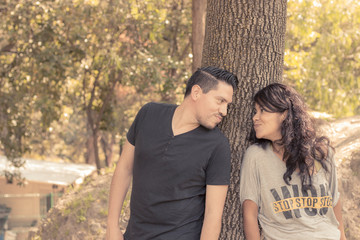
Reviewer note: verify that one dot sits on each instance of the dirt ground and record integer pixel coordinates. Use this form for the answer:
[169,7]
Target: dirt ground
[345,135]
[81,213]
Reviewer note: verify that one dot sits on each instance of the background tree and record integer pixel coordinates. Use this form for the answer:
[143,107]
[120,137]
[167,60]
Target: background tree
[322,54]
[245,37]
[27,71]
[198,31]
[67,65]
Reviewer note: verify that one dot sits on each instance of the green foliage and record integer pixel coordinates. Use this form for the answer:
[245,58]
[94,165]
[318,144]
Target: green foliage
[79,207]
[104,212]
[27,70]
[322,54]
[74,68]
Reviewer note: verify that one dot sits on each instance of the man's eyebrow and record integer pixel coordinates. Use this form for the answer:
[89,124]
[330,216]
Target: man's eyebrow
[223,99]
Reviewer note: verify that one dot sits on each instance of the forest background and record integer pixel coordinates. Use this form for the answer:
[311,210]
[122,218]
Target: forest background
[73,73]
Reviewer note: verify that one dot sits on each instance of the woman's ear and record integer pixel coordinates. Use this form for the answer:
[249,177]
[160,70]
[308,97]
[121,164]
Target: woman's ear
[284,115]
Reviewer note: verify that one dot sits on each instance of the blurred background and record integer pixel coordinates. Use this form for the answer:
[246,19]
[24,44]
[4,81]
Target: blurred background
[73,74]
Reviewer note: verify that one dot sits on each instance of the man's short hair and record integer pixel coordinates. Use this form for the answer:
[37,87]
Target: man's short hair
[208,77]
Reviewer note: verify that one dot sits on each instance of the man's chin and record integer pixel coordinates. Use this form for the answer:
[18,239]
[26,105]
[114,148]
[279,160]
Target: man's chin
[208,126]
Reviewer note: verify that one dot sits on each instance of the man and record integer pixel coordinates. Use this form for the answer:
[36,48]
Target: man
[180,165]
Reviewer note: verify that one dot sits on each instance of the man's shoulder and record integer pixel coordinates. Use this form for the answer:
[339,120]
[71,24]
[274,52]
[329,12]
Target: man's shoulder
[216,131]
[215,135]
[158,106]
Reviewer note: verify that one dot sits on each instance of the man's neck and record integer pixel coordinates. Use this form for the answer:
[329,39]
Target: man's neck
[183,120]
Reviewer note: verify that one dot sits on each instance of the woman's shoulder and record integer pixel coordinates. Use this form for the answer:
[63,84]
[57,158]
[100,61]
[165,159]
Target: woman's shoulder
[256,156]
[256,150]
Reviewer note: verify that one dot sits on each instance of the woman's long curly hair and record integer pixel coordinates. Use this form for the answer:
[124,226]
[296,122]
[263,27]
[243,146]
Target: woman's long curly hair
[301,145]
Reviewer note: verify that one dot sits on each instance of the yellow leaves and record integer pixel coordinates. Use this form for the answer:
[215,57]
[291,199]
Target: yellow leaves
[134,11]
[42,17]
[20,5]
[93,3]
[162,14]
[317,3]
[45,17]
[150,7]
[152,36]
[67,111]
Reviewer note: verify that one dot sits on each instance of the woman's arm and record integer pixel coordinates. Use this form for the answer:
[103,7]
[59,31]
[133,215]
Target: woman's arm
[250,220]
[338,215]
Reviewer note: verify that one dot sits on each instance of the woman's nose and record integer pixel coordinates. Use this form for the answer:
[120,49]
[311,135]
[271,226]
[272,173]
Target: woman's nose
[255,117]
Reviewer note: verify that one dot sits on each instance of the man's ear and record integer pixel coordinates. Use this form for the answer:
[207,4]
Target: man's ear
[196,92]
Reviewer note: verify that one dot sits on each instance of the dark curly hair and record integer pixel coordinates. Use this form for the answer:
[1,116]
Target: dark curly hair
[302,147]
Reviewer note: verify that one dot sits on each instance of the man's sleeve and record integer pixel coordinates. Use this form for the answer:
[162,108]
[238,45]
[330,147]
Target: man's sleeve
[135,126]
[219,166]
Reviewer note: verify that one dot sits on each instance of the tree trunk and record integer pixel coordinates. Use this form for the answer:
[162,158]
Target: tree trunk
[198,31]
[94,134]
[245,37]
[107,147]
[96,149]
[89,155]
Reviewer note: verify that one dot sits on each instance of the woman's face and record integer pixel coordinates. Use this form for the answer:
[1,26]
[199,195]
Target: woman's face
[267,124]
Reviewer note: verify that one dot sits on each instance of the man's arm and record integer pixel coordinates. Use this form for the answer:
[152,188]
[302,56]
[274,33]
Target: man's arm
[119,186]
[250,220]
[338,215]
[214,206]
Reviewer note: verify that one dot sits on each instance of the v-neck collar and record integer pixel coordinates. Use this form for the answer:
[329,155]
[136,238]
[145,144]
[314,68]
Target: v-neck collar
[171,121]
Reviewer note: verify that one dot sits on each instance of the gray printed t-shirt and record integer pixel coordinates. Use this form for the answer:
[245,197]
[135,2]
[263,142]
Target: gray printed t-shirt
[170,175]
[285,212]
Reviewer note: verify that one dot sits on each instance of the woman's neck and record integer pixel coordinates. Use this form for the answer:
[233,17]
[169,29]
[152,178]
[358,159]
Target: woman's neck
[278,150]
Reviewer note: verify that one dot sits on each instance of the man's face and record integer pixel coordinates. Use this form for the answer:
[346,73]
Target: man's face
[211,107]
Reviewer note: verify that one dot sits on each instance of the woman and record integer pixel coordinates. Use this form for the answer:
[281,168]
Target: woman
[288,176]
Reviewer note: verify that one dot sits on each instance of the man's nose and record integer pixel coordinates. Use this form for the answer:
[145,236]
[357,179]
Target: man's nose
[223,110]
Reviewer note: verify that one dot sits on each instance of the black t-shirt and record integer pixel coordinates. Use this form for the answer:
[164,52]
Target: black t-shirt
[170,175]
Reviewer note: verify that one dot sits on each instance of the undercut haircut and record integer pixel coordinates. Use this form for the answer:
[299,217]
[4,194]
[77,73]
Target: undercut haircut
[208,78]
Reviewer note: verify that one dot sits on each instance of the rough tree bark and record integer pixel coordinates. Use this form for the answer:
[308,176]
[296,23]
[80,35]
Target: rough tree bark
[94,117]
[107,144]
[89,154]
[245,37]
[198,31]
